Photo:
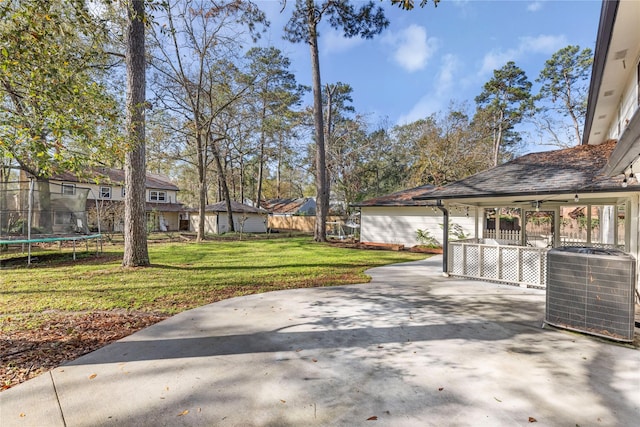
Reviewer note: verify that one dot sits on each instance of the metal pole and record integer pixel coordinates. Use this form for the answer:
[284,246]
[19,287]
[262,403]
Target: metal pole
[29,212]
[445,238]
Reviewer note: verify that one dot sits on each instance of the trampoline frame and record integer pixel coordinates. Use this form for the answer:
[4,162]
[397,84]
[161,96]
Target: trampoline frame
[53,238]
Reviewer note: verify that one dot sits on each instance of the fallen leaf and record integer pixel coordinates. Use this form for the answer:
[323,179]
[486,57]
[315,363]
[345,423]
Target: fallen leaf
[532,420]
[497,400]
[374,418]
[283,401]
[314,360]
[380,346]
[92,376]
[185,412]
[440,388]
[22,415]
[298,350]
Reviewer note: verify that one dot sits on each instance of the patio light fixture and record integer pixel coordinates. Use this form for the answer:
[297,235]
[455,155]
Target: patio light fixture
[576,198]
[625,182]
[536,205]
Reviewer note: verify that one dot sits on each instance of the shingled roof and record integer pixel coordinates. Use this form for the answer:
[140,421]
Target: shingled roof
[116,177]
[399,198]
[236,207]
[572,170]
[289,206]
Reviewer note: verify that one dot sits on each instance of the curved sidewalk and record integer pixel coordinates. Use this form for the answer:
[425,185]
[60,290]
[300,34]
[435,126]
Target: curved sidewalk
[411,348]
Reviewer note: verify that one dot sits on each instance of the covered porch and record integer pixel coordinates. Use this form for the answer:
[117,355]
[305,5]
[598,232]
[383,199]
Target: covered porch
[535,203]
[512,237]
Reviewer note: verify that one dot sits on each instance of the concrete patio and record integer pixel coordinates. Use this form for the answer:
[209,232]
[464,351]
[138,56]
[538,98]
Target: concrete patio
[411,348]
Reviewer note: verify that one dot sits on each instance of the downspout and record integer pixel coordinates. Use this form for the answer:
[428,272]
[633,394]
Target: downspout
[445,239]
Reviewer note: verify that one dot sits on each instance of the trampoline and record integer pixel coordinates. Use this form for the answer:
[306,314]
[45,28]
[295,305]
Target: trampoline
[36,211]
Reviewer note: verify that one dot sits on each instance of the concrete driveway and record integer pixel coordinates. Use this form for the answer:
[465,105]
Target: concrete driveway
[411,348]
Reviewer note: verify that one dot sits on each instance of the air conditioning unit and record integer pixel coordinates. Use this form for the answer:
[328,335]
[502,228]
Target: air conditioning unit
[591,290]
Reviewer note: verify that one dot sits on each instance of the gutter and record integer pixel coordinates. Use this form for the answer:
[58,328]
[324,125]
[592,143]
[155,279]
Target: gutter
[445,239]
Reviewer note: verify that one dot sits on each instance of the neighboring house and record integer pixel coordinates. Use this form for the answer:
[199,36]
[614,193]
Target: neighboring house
[245,218]
[397,217]
[106,197]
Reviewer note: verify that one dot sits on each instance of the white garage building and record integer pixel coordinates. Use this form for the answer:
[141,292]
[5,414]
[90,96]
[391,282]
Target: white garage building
[397,217]
[245,218]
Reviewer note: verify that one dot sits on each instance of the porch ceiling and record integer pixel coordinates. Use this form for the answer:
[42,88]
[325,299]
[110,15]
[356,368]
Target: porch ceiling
[547,200]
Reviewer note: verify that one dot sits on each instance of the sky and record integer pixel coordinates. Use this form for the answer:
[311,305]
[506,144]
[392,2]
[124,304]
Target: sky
[429,56]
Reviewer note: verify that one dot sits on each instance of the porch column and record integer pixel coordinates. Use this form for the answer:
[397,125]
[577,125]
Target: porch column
[632,240]
[445,238]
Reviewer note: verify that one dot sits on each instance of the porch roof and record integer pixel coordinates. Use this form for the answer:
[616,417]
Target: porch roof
[399,198]
[572,170]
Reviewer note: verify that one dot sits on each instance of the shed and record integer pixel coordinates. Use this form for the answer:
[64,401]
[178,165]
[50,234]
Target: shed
[245,218]
[396,218]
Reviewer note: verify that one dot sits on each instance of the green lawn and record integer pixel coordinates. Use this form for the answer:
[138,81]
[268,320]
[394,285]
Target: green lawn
[185,275]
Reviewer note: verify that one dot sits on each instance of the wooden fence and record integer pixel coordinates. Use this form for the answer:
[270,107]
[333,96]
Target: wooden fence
[296,223]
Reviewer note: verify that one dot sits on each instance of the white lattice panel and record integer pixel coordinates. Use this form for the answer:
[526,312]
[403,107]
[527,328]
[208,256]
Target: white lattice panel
[472,257]
[490,262]
[531,266]
[525,266]
[456,259]
[509,264]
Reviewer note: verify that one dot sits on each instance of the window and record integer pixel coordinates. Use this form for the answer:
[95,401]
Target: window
[157,196]
[68,189]
[105,192]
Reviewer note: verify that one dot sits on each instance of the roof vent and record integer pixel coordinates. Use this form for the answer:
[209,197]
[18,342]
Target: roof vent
[621,54]
[608,93]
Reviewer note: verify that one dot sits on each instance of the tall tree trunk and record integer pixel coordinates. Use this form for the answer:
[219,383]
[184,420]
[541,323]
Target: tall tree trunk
[44,220]
[135,230]
[222,181]
[279,169]
[260,169]
[497,140]
[322,198]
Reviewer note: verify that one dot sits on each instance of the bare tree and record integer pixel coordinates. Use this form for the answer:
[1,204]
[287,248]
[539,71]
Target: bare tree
[198,38]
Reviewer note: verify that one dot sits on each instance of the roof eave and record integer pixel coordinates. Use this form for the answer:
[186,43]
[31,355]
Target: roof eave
[608,14]
[624,154]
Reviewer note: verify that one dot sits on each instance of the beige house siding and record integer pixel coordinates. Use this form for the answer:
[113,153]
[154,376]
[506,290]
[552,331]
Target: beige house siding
[217,223]
[399,224]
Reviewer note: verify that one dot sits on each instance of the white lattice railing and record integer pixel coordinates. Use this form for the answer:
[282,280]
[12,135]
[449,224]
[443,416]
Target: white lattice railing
[522,265]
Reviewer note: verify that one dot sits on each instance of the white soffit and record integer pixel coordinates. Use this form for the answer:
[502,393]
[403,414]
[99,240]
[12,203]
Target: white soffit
[621,65]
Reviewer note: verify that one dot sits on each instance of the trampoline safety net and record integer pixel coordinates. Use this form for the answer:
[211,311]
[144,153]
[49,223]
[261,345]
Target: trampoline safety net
[56,210]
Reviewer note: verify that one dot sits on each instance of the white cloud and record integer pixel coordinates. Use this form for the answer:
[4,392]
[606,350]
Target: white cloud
[546,44]
[534,6]
[439,97]
[426,106]
[413,48]
[542,44]
[335,42]
[445,78]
